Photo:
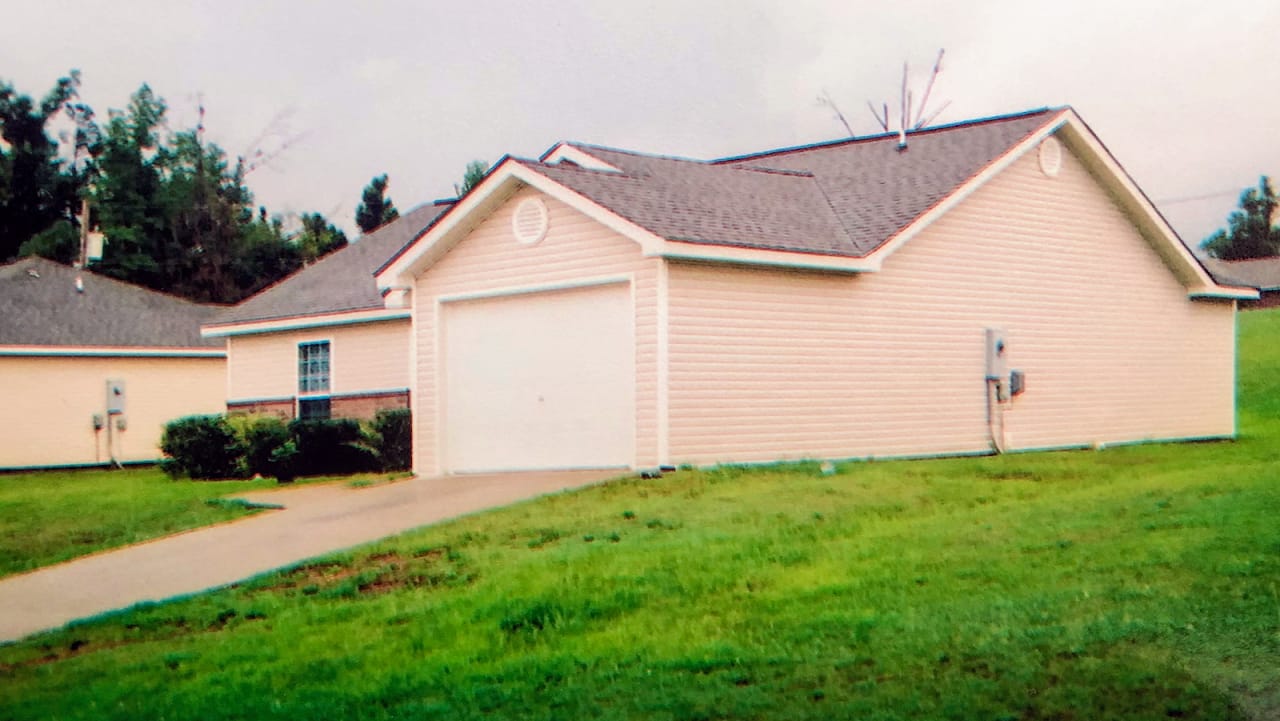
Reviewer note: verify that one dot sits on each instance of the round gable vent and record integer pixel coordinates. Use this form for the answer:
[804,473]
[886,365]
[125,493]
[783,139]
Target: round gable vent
[529,224]
[1050,157]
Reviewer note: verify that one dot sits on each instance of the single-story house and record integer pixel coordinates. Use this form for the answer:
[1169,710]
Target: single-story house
[1260,273]
[322,343]
[868,297]
[95,367]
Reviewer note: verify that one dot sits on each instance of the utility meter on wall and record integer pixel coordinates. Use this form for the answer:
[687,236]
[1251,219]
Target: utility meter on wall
[997,360]
[115,397]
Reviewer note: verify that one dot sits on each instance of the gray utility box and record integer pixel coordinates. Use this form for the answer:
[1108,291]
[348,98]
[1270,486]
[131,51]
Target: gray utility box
[115,397]
[997,356]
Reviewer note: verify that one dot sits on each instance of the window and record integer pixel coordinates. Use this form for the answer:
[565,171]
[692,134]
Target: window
[313,380]
[313,409]
[313,367]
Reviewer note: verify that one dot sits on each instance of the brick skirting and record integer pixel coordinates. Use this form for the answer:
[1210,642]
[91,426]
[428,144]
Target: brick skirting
[351,405]
[366,405]
[279,407]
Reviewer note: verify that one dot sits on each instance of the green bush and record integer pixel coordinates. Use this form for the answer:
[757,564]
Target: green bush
[335,446]
[263,436]
[393,431]
[201,447]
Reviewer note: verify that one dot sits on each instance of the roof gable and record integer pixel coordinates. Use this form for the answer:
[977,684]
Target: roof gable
[340,282]
[40,305]
[842,206]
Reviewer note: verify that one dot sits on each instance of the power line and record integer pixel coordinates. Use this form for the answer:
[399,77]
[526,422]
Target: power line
[1205,196]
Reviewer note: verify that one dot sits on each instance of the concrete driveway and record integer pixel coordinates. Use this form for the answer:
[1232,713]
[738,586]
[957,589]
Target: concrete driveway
[316,520]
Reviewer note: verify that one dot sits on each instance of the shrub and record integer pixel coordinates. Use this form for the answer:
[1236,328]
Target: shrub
[262,437]
[393,431]
[336,446]
[202,447]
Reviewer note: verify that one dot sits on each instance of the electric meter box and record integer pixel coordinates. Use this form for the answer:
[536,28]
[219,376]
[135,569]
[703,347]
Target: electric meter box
[115,397]
[997,355]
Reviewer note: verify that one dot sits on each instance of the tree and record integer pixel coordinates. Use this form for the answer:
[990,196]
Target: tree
[375,209]
[177,214]
[1249,232]
[37,189]
[318,237]
[474,173]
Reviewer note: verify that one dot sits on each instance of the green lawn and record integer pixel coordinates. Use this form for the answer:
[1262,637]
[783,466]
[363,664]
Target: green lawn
[1132,583]
[52,516]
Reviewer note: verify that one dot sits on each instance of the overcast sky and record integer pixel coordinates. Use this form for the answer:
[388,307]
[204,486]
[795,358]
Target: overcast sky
[1185,94]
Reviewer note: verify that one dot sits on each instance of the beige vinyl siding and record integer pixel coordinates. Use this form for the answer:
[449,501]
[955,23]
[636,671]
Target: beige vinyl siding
[53,401]
[490,261]
[363,358]
[770,364]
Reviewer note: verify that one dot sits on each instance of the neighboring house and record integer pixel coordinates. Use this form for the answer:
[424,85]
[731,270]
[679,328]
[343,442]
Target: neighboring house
[603,308]
[322,343]
[1260,273]
[76,346]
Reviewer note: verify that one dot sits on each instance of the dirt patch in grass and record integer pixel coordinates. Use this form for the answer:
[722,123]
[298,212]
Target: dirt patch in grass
[375,574]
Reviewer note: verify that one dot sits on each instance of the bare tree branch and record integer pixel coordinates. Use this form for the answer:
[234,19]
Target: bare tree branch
[825,99]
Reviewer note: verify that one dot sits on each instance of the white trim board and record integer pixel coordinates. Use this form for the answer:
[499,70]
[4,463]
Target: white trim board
[110,351]
[303,322]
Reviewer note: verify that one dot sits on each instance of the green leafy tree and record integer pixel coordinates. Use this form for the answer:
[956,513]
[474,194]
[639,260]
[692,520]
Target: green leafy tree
[471,177]
[130,196]
[60,242]
[376,208]
[318,237]
[1249,232]
[177,214]
[37,187]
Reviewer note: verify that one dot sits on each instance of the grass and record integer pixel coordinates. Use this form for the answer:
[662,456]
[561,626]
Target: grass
[52,516]
[1137,582]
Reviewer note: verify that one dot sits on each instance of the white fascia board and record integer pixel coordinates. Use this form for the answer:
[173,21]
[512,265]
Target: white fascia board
[675,250]
[1150,222]
[111,351]
[577,156]
[1224,292]
[302,322]
[876,258]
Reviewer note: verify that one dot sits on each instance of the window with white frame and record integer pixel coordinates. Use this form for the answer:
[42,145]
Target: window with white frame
[313,380]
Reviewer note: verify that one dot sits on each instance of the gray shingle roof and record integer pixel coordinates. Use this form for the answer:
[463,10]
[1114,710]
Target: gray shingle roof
[1260,273]
[341,281]
[841,198]
[39,305]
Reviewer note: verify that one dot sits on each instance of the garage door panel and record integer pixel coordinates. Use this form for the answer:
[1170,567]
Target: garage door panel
[541,380]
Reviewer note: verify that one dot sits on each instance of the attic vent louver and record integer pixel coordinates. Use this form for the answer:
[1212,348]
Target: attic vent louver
[530,221]
[1050,157]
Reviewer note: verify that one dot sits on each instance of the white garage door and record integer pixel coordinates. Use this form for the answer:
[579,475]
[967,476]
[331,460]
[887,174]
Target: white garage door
[540,380]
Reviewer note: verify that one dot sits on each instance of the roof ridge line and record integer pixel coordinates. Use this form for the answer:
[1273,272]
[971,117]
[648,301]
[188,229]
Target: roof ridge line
[884,136]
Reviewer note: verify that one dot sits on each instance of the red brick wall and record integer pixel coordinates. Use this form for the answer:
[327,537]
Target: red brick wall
[282,407]
[1269,299]
[366,405]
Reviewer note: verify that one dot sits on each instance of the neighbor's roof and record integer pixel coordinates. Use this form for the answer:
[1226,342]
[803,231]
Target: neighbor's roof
[843,198]
[341,281]
[39,305]
[1260,273]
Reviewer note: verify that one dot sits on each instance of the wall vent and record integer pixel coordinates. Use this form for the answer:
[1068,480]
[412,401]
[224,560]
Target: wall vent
[530,221]
[1050,157]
